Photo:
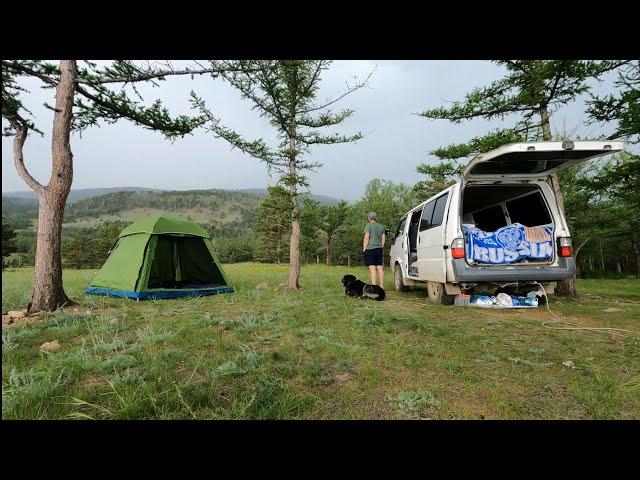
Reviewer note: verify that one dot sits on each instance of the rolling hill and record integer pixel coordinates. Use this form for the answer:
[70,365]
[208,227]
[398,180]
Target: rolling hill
[74,194]
[228,212]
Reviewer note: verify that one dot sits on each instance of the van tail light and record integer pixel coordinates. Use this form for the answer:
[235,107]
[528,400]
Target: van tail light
[457,248]
[564,247]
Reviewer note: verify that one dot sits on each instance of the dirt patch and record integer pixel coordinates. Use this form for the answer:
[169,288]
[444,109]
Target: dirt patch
[92,380]
[51,346]
[13,317]
[342,377]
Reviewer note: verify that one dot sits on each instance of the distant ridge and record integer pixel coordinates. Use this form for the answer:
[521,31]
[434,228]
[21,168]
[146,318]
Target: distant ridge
[80,193]
[27,197]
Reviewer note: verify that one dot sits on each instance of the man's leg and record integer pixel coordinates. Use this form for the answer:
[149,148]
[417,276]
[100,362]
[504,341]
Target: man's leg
[372,273]
[380,269]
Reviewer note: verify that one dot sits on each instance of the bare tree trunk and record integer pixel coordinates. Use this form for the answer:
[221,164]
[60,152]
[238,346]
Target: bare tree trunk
[279,248]
[349,259]
[601,256]
[567,287]
[48,291]
[636,251]
[575,254]
[328,250]
[294,249]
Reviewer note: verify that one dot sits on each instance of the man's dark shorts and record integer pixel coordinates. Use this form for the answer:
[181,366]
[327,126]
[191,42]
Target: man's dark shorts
[372,256]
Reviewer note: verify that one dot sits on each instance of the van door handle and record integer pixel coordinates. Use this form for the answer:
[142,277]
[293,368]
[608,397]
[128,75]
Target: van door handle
[418,240]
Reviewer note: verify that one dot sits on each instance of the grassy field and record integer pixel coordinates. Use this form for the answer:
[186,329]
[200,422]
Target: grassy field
[315,354]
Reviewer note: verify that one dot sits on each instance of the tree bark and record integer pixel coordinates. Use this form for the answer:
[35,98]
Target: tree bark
[328,250]
[348,259]
[636,250]
[575,254]
[48,291]
[567,287]
[294,248]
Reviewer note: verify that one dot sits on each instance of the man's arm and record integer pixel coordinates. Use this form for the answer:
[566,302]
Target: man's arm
[384,239]
[365,242]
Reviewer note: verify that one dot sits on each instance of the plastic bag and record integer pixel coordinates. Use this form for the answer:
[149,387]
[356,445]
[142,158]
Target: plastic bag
[503,300]
[481,300]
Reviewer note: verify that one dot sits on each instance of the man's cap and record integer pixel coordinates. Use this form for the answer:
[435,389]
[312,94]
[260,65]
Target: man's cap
[372,215]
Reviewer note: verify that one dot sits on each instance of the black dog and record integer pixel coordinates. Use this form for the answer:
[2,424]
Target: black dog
[357,288]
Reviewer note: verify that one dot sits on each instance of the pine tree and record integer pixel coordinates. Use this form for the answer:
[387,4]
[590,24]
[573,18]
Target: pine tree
[309,221]
[622,107]
[531,90]
[8,239]
[332,217]
[285,93]
[272,226]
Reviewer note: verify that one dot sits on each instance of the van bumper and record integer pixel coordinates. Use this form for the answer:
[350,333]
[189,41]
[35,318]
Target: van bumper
[464,272]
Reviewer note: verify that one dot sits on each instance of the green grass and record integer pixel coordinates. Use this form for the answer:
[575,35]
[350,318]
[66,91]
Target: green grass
[316,354]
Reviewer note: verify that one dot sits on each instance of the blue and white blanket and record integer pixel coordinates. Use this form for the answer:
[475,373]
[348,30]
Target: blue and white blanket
[509,244]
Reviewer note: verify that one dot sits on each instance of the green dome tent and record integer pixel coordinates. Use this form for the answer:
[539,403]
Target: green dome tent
[161,256]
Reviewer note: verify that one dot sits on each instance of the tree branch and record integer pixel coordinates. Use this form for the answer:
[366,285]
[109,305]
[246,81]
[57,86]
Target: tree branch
[160,74]
[552,92]
[29,71]
[18,159]
[350,90]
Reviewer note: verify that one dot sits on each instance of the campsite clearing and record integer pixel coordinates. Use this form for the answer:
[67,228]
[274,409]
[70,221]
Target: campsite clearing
[315,354]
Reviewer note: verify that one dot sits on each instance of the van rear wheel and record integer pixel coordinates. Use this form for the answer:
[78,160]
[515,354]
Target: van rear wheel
[398,279]
[437,293]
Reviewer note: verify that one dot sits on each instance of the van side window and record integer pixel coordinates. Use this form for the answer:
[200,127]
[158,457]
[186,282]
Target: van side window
[438,210]
[401,225]
[425,220]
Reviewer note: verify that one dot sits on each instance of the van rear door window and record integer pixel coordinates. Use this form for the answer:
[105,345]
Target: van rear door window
[529,210]
[490,219]
[438,210]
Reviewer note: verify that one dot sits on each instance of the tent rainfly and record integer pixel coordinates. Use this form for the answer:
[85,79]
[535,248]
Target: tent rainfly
[161,256]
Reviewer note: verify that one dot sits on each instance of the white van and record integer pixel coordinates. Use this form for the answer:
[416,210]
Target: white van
[508,186]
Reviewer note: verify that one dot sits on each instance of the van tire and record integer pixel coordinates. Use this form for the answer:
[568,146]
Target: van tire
[398,279]
[437,293]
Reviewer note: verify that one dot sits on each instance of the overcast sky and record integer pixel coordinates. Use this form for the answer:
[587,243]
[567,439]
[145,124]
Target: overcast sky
[396,140]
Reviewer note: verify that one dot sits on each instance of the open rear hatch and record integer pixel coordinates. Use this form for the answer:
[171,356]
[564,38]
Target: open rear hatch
[511,223]
[535,159]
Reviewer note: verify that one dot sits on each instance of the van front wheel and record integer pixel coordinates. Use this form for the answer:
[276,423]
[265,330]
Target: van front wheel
[398,280]
[437,293]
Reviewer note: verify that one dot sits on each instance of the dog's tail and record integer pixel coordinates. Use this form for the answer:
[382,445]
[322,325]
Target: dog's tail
[373,292]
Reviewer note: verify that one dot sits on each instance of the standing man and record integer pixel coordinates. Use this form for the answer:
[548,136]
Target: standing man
[372,248]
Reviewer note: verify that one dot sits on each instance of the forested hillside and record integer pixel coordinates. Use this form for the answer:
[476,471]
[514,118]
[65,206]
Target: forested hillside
[91,224]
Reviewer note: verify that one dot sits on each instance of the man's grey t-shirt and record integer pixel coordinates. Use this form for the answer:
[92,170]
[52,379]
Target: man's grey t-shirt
[375,231]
